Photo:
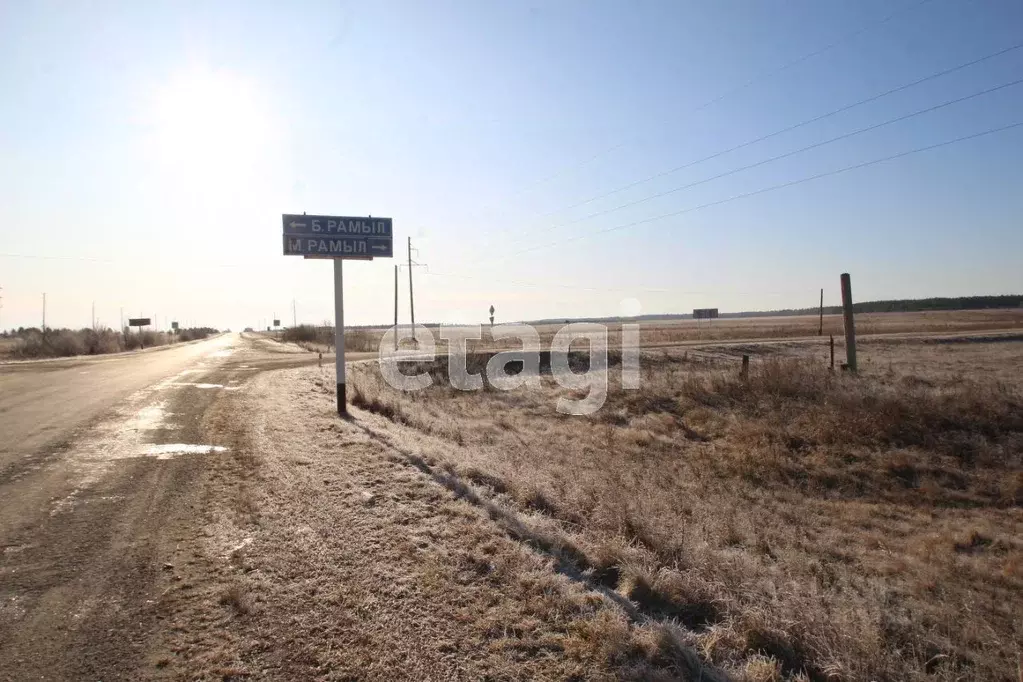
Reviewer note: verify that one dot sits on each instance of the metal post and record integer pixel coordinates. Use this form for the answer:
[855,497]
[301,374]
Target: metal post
[395,307]
[850,329]
[832,351]
[339,337]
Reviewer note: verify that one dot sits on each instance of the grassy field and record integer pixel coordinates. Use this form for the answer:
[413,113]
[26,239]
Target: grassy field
[795,524]
[654,333]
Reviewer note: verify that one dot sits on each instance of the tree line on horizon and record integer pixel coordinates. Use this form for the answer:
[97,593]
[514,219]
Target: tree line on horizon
[902,305]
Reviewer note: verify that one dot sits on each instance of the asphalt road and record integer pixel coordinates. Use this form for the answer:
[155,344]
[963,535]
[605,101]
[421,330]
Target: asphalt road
[95,494]
[43,403]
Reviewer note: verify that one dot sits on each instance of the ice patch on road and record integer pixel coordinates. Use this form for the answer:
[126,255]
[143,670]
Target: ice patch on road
[200,385]
[170,450]
[148,418]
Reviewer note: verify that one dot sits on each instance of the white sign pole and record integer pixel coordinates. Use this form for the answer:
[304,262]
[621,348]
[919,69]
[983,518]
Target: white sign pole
[339,337]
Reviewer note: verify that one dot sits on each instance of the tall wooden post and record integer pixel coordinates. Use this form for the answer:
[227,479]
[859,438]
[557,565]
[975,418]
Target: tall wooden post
[820,330]
[850,327]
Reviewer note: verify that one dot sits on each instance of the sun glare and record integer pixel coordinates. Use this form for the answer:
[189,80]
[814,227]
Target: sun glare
[208,125]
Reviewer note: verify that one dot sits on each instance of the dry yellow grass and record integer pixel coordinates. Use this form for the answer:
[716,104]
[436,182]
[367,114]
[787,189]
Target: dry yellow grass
[655,333]
[800,524]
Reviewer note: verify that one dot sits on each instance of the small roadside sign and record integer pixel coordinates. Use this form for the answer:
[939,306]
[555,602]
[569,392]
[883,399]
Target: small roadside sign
[139,322]
[174,326]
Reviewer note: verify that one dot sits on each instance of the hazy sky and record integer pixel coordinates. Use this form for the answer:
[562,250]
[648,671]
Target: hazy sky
[148,149]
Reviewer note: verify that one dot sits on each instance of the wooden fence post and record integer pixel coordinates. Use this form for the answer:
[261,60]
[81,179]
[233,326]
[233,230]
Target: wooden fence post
[850,327]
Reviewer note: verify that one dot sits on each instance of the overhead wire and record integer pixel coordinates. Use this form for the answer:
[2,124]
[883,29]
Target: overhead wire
[764,190]
[786,129]
[794,152]
[727,93]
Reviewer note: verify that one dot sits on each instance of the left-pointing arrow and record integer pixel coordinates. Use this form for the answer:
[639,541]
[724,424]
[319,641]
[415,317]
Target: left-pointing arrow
[293,225]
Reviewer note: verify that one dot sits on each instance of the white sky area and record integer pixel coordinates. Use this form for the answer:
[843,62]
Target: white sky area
[148,150]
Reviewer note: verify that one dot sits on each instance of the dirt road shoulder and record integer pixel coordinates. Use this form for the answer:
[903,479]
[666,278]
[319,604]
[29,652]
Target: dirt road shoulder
[328,554]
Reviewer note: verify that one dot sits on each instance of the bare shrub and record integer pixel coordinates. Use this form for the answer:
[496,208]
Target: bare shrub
[315,338]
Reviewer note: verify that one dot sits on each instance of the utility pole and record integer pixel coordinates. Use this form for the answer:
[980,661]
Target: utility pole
[411,300]
[395,306]
[122,320]
[44,313]
[294,314]
[94,316]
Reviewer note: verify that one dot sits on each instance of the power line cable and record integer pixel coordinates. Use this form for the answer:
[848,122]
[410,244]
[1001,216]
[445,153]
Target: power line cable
[787,129]
[764,190]
[778,157]
[727,93]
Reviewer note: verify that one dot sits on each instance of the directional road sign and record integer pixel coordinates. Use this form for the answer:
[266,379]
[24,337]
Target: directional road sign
[337,236]
[139,322]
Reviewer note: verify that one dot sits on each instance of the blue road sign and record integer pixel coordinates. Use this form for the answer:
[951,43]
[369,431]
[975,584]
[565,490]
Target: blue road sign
[338,247]
[337,236]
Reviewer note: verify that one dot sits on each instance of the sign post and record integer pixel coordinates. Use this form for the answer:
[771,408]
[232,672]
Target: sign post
[339,335]
[338,238]
[140,322]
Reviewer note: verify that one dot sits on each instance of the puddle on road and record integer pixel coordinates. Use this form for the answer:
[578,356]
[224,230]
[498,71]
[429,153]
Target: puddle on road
[170,450]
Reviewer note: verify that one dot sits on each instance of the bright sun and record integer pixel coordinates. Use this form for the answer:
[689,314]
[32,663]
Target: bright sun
[208,125]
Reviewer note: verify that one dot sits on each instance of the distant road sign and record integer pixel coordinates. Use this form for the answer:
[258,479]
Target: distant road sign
[139,322]
[277,323]
[337,236]
[705,313]
[174,326]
